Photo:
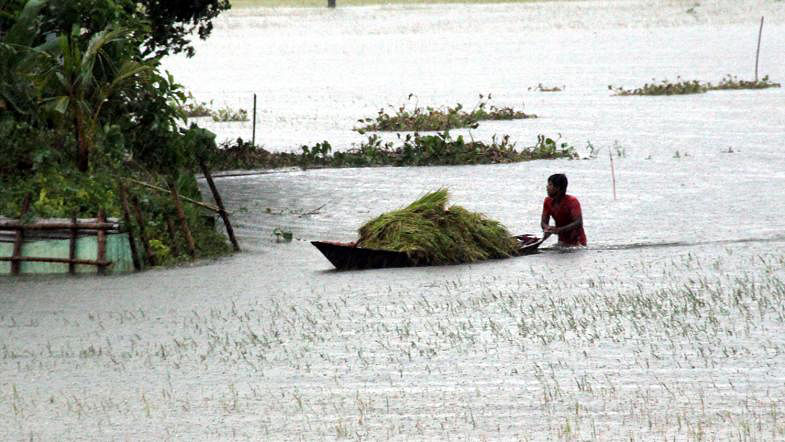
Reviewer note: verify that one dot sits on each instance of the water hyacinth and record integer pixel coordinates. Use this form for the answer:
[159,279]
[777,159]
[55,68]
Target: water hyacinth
[431,233]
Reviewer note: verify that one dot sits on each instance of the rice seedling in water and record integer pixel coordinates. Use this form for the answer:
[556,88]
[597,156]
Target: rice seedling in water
[433,234]
[429,118]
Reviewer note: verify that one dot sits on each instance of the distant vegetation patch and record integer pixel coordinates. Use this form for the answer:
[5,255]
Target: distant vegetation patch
[683,87]
[227,114]
[412,150]
[435,119]
[541,88]
[731,82]
[192,108]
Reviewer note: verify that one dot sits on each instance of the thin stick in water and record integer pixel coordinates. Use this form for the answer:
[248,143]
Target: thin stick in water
[253,133]
[757,51]
[613,174]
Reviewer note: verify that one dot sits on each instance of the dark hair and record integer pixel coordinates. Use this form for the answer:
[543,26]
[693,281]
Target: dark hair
[559,180]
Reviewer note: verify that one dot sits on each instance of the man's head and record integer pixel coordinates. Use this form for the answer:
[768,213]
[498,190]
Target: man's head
[557,185]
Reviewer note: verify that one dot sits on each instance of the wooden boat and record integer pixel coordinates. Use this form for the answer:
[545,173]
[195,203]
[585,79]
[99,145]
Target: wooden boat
[347,256]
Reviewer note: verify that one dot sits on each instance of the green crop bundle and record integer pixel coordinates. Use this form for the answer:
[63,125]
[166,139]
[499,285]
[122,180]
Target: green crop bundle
[431,233]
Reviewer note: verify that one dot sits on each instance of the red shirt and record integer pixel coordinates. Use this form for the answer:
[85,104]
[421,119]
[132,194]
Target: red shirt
[565,212]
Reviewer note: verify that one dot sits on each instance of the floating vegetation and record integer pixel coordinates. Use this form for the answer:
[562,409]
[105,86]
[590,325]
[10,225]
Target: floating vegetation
[681,87]
[413,150]
[227,114]
[665,87]
[194,109]
[433,119]
[282,235]
[731,82]
[541,88]
[431,233]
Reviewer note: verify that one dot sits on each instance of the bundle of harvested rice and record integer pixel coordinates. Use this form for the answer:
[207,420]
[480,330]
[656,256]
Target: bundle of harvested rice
[432,234]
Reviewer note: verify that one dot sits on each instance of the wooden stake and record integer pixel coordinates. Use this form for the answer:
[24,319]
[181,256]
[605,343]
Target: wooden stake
[220,204]
[253,133]
[72,247]
[19,239]
[757,51]
[129,227]
[613,174]
[150,258]
[101,254]
[189,239]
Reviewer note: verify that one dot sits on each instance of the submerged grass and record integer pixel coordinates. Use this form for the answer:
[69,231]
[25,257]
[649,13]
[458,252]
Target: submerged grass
[684,87]
[431,233]
[688,348]
[430,118]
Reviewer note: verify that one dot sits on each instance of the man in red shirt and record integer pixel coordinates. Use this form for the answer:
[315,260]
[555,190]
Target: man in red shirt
[566,212]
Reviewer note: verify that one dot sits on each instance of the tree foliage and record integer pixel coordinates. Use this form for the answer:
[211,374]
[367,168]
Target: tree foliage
[171,21]
[160,27]
[82,98]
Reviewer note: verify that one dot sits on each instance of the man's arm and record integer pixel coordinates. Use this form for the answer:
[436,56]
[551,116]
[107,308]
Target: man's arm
[575,224]
[546,216]
[576,214]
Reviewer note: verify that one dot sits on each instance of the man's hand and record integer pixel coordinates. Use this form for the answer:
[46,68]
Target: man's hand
[551,229]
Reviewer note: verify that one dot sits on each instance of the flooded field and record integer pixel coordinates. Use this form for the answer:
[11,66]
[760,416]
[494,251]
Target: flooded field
[670,325]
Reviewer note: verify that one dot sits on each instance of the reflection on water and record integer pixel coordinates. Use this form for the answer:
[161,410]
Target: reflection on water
[669,325]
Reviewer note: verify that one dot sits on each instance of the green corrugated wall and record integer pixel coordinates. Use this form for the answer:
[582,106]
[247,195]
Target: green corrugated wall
[117,251]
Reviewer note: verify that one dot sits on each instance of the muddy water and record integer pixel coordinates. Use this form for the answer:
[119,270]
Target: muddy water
[670,324]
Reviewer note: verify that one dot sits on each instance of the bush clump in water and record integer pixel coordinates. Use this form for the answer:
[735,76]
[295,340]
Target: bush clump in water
[414,150]
[433,234]
[432,119]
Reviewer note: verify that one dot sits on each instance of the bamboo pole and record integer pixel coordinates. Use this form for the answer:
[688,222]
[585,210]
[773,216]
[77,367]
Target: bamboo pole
[101,240]
[55,260]
[178,205]
[185,198]
[19,239]
[100,226]
[129,227]
[757,51]
[150,258]
[220,204]
[72,246]
[253,132]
